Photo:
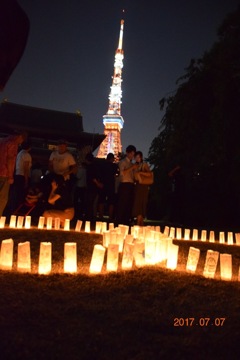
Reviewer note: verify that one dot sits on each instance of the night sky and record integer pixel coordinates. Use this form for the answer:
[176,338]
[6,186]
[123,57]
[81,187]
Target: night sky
[68,61]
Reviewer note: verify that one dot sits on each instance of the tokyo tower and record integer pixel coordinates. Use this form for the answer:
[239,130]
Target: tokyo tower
[113,121]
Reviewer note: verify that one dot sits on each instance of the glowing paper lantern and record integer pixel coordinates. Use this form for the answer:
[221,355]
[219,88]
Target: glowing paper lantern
[66,224]
[193,257]
[70,257]
[157,228]
[78,225]
[20,220]
[120,241]
[41,222]
[135,229]
[210,264]
[6,255]
[57,224]
[212,237]
[24,258]
[186,234]
[179,233]
[129,238]
[111,226]
[150,249]
[230,238]
[87,226]
[97,259]
[127,259]
[104,226]
[204,235]
[226,266]
[124,229]
[12,223]
[112,257]
[113,237]
[172,255]
[98,227]
[237,236]
[49,223]
[27,222]
[195,234]
[45,258]
[221,237]
[106,238]
[2,222]
[161,249]
[172,233]
[166,230]
[139,253]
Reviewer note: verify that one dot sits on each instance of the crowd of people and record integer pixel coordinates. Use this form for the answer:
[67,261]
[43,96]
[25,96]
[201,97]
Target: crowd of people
[70,189]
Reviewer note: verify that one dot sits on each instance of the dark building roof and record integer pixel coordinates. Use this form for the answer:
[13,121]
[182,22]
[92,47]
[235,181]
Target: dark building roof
[49,125]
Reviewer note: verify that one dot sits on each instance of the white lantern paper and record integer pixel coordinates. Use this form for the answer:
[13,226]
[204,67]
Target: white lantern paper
[66,224]
[106,238]
[112,257]
[204,235]
[113,237]
[139,253]
[212,236]
[57,224]
[221,237]
[129,238]
[166,231]
[12,223]
[111,226]
[70,257]
[27,222]
[136,229]
[172,255]
[98,227]
[150,251]
[24,257]
[226,266]
[97,259]
[6,255]
[41,222]
[179,233]
[230,238]
[193,257]
[87,226]
[172,233]
[78,225]
[2,222]
[127,259]
[124,229]
[104,226]
[157,228]
[20,221]
[45,258]
[210,264]
[237,237]
[49,223]
[186,234]
[120,241]
[195,234]
[161,249]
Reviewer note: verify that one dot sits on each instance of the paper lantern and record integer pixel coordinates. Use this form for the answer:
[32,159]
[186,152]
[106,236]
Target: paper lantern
[129,238]
[106,238]
[104,226]
[150,250]
[230,238]
[203,235]
[6,255]
[186,234]
[172,255]
[221,237]
[45,258]
[157,228]
[113,237]
[135,229]
[41,222]
[97,259]
[166,230]
[139,253]
[161,249]
[20,221]
[24,257]
[179,233]
[28,222]
[78,225]
[172,233]
[120,241]
[98,227]
[49,223]
[127,259]
[87,226]
[57,224]
[237,237]
[2,221]
[193,257]
[112,257]
[210,264]
[111,226]
[66,225]
[12,223]
[70,257]
[226,266]
[211,236]
[195,234]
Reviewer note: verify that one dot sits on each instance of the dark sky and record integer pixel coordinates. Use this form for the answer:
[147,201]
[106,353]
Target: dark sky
[68,61]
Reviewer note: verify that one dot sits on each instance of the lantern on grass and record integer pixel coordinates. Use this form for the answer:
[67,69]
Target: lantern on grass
[161,249]
[210,264]
[166,230]
[20,220]
[57,224]
[172,255]
[195,234]
[112,257]
[186,234]
[24,257]
[129,238]
[104,226]
[87,226]
[27,222]
[139,253]
[66,224]
[124,229]
[221,237]
[12,223]
[78,225]
[106,238]
[127,259]
[226,266]
[98,227]
[2,221]
[230,238]
[45,258]
[41,222]
[70,257]
[97,259]
[135,231]
[193,257]
[172,233]
[157,228]
[113,237]
[120,241]
[49,223]
[150,251]
[212,236]
[179,233]
[237,236]
[203,235]
[6,255]
[111,226]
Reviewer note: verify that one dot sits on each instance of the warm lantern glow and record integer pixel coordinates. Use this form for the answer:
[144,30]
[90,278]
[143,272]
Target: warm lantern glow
[221,237]
[106,238]
[87,226]
[97,259]
[98,227]
[66,224]
[24,257]
[112,257]
[6,255]
[12,223]
[230,238]
[45,258]
[195,234]
[172,233]
[57,224]
[78,225]
[161,249]
[139,253]
[210,264]
[2,222]
[20,221]
[70,257]
[41,222]
[104,226]
[226,266]
[237,236]
[111,226]
[193,257]
[166,230]
[150,250]
[204,235]
[212,237]
[172,255]
[127,259]
[186,234]
[179,233]
[27,222]
[49,223]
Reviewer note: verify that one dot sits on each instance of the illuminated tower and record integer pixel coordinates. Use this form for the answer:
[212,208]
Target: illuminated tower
[113,121]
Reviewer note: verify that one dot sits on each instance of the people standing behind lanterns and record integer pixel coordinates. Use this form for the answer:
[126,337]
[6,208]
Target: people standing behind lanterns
[107,195]
[8,151]
[80,191]
[22,174]
[126,187]
[140,190]
[59,200]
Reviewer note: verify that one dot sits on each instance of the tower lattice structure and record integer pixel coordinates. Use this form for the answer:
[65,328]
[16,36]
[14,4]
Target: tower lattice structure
[113,121]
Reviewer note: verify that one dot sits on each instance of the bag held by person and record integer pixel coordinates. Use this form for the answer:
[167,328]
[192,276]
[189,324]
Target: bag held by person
[145,180]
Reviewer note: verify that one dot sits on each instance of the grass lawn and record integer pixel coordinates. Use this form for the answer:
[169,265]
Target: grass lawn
[123,315]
